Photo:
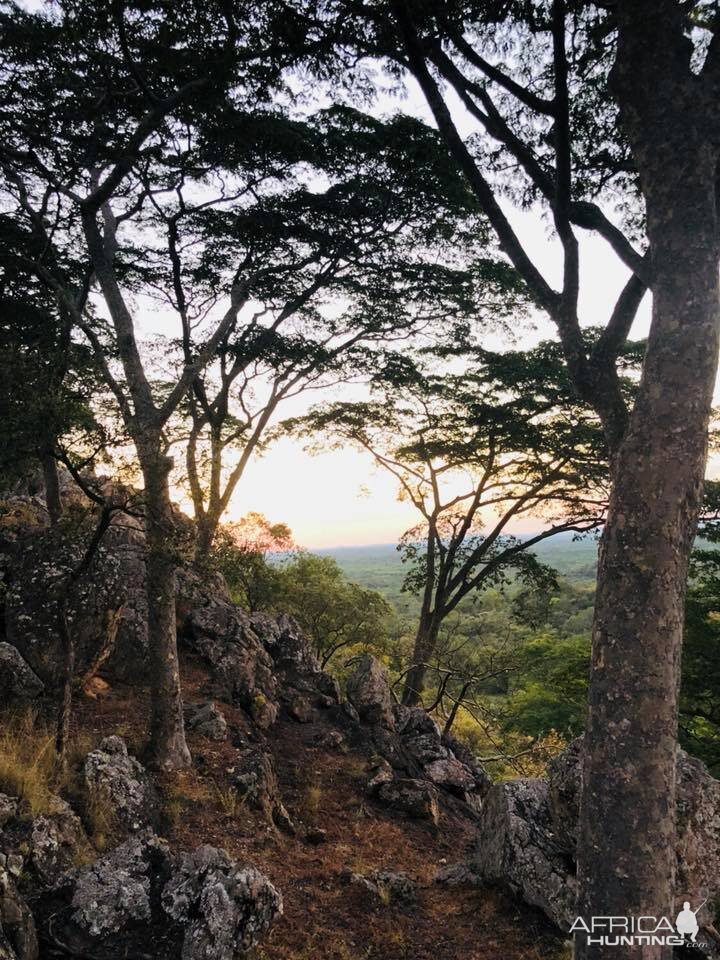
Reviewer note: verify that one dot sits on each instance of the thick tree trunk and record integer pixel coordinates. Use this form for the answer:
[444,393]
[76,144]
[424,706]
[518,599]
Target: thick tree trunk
[206,527]
[53,500]
[168,749]
[424,647]
[626,849]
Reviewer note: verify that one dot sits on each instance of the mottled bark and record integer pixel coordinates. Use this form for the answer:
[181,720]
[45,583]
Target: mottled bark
[168,749]
[424,647]
[51,481]
[627,832]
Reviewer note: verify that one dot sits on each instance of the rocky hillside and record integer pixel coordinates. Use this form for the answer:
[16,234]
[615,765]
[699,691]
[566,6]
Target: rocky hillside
[316,822]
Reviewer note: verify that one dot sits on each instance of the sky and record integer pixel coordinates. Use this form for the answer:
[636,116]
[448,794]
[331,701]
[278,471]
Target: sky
[341,498]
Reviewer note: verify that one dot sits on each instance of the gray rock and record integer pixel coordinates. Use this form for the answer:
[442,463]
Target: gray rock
[698,821]
[118,782]
[116,580]
[18,682]
[141,901]
[368,690]
[517,848]
[241,666]
[18,938]
[415,798]
[224,908]
[451,775]
[57,839]
[207,720]
[115,894]
[382,773]
[41,848]
[255,780]
[388,887]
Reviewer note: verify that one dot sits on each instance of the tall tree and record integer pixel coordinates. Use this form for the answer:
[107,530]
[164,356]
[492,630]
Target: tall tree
[381,251]
[119,117]
[534,81]
[474,453]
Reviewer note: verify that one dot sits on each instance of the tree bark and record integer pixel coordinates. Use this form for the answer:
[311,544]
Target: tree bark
[424,647]
[168,749]
[626,848]
[53,500]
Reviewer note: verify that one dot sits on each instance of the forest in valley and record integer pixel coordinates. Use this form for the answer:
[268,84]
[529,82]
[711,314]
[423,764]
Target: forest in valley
[464,258]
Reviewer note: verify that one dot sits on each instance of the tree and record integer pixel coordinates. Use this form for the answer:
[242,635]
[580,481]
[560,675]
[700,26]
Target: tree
[337,615]
[533,80]
[239,553]
[473,453]
[119,118]
[49,382]
[384,249]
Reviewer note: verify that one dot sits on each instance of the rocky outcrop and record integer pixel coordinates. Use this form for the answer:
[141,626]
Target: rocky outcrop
[255,780]
[141,901]
[414,798]
[528,833]
[369,692]
[242,669]
[18,682]
[18,938]
[517,848]
[38,564]
[118,784]
[224,909]
[206,720]
[412,745]
[42,848]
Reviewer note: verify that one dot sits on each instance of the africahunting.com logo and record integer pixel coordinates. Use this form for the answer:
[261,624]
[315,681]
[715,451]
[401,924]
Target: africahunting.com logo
[640,931]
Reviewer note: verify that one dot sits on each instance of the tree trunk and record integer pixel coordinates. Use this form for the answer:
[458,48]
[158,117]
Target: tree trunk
[51,480]
[168,749]
[626,853]
[425,643]
[206,527]
[64,714]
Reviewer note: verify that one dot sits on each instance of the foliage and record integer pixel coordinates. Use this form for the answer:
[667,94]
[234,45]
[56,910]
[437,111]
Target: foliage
[339,616]
[240,555]
[549,691]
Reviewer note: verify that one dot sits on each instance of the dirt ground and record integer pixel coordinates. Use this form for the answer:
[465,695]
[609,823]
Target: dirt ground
[326,917]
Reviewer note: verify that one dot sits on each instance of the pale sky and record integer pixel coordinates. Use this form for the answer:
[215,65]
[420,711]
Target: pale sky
[341,498]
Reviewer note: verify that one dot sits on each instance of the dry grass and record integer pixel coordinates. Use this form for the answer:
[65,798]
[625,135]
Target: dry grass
[28,764]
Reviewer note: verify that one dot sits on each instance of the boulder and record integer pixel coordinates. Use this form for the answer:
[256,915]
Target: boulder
[528,835]
[390,888]
[368,689]
[140,900]
[18,682]
[223,908]
[207,720]
[255,780]
[117,783]
[40,848]
[57,840]
[451,775]
[381,772]
[115,899]
[517,848]
[414,798]
[698,820]
[18,938]
[242,668]
[38,567]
